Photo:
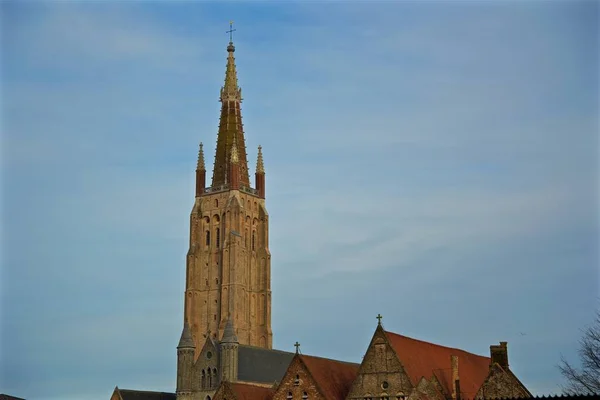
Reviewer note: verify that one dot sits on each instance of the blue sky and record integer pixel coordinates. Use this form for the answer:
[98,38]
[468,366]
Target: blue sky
[435,162]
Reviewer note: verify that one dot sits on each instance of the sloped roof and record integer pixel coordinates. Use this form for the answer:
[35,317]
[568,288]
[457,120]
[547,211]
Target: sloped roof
[333,377]
[423,359]
[145,395]
[244,391]
[257,364]
[557,397]
[229,334]
[9,397]
[186,340]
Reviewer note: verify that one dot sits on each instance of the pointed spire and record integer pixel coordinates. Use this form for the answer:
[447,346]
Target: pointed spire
[230,90]
[186,340]
[230,128]
[200,166]
[228,333]
[234,151]
[260,166]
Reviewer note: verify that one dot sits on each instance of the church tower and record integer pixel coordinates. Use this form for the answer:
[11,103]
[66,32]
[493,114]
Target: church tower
[228,271]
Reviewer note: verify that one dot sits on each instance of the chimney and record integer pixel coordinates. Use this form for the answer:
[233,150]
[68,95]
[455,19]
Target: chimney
[455,378]
[499,354]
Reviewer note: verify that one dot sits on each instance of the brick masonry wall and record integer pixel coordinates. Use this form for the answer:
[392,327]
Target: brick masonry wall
[297,381]
[501,384]
[380,366]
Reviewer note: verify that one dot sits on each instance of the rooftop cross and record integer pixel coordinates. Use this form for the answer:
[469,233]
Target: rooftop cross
[297,345]
[379,319]
[230,31]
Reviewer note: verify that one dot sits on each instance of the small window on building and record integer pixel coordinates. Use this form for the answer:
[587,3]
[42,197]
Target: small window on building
[253,240]
[216,205]
[304,396]
[217,282]
[385,385]
[289,396]
[215,317]
[218,232]
[208,238]
[297,380]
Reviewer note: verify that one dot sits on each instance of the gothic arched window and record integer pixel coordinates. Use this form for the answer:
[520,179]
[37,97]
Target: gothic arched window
[209,379]
[203,382]
[208,238]
[218,234]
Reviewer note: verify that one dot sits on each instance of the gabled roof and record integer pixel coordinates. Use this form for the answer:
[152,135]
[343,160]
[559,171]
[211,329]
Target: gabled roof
[423,359]
[333,378]
[145,395]
[245,391]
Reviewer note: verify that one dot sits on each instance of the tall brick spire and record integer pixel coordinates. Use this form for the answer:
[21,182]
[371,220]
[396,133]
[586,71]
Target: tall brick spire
[230,126]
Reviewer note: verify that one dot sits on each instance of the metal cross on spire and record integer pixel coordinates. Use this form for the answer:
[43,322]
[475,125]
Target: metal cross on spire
[230,31]
[379,319]
[297,345]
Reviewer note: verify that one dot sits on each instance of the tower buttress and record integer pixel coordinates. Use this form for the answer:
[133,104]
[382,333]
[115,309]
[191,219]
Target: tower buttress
[185,362]
[229,353]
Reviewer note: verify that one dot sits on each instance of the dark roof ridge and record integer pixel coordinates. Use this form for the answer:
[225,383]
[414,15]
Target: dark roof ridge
[247,383]
[331,359]
[435,344]
[262,348]
[142,391]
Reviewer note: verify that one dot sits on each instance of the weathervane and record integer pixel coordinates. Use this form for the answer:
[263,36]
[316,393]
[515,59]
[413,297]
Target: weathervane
[230,31]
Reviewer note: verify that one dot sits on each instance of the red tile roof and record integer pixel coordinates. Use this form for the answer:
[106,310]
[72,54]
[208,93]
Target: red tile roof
[332,377]
[245,391]
[423,359]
